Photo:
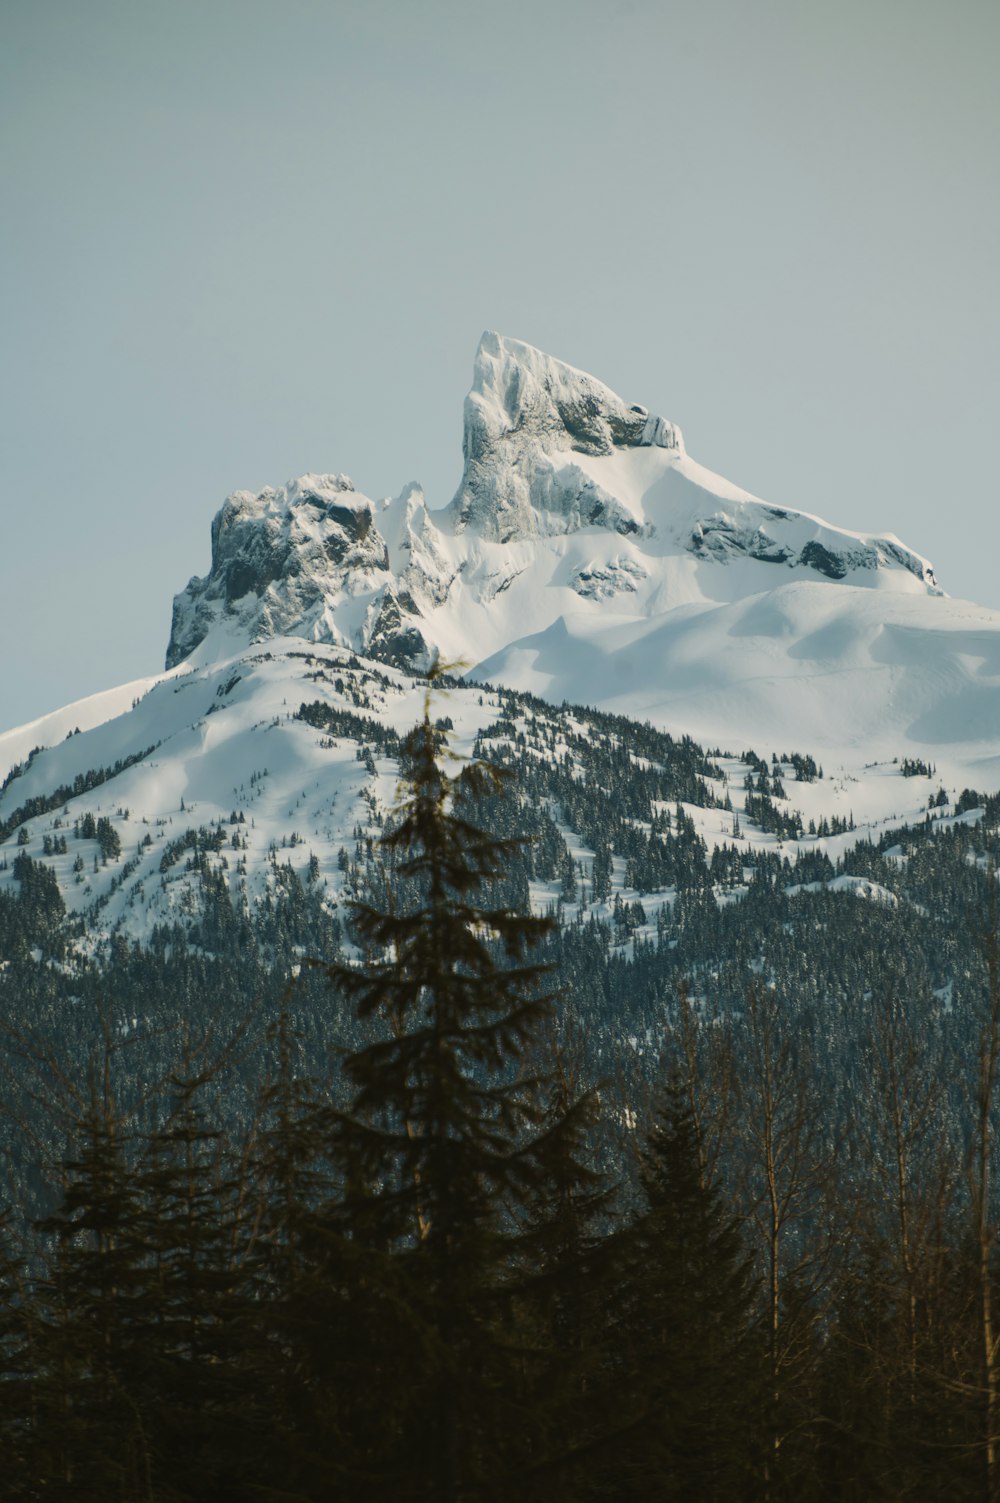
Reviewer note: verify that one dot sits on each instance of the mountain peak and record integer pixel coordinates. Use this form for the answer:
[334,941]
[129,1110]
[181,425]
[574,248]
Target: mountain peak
[282,560]
[581,527]
[523,407]
[524,388]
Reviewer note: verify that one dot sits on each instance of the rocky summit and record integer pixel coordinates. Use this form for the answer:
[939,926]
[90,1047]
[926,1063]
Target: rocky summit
[585,561]
[586,556]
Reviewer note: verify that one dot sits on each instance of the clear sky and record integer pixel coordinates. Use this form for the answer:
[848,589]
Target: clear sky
[243,239]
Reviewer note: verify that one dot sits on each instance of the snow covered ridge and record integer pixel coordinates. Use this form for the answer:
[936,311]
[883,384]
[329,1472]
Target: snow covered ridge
[587,557]
[570,498]
[282,562]
[265,777]
[587,560]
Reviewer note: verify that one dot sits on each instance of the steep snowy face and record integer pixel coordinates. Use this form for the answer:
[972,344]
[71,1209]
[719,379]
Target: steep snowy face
[574,507]
[307,560]
[526,413]
[549,450]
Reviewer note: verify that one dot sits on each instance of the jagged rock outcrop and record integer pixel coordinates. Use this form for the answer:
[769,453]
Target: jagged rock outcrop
[570,500]
[286,562]
[525,415]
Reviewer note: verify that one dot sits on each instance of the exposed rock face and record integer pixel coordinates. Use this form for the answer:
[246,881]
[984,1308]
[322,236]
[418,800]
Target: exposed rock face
[394,639]
[829,553]
[281,562]
[619,576]
[570,500]
[721,538]
[523,409]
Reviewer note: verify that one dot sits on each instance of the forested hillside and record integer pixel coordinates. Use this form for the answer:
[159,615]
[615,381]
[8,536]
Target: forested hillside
[724,1224]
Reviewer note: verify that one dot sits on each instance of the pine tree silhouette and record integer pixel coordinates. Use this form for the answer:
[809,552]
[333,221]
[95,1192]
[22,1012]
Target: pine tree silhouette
[692,1353]
[447,1146]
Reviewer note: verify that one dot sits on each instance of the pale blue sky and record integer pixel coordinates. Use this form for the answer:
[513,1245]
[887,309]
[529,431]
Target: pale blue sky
[244,239]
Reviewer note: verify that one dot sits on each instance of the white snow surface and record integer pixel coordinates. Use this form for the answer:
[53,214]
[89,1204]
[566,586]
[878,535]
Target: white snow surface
[585,557]
[223,739]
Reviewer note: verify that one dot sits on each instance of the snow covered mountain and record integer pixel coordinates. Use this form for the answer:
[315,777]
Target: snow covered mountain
[587,557]
[269,773]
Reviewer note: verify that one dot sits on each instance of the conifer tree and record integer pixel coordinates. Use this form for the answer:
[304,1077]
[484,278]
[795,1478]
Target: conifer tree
[444,1148]
[18,1357]
[565,1285]
[787,1183]
[288,1277]
[692,1355]
[193,1300]
[90,1436]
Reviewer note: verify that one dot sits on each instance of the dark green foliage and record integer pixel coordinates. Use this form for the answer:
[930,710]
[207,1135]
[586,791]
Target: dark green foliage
[805,767]
[32,919]
[44,803]
[397,1274]
[445,1149]
[17,1353]
[108,839]
[353,727]
[88,1341]
[238,1287]
[138,1384]
[690,1350]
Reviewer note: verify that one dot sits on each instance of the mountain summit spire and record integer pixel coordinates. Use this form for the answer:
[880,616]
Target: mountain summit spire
[523,407]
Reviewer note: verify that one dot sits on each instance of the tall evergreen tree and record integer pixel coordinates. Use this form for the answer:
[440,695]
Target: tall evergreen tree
[17,1357]
[692,1355]
[289,1317]
[192,1303]
[445,1147]
[89,1435]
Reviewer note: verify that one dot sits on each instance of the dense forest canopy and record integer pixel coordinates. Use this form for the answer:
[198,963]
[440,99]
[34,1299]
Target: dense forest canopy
[695,1178]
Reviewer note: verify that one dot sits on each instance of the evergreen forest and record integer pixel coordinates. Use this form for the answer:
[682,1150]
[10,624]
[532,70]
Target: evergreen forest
[446,1200]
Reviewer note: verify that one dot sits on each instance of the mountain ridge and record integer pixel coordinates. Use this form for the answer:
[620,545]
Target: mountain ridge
[587,556]
[586,559]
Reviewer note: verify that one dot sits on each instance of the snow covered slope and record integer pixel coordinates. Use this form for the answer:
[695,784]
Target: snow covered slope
[266,775]
[587,557]
[208,764]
